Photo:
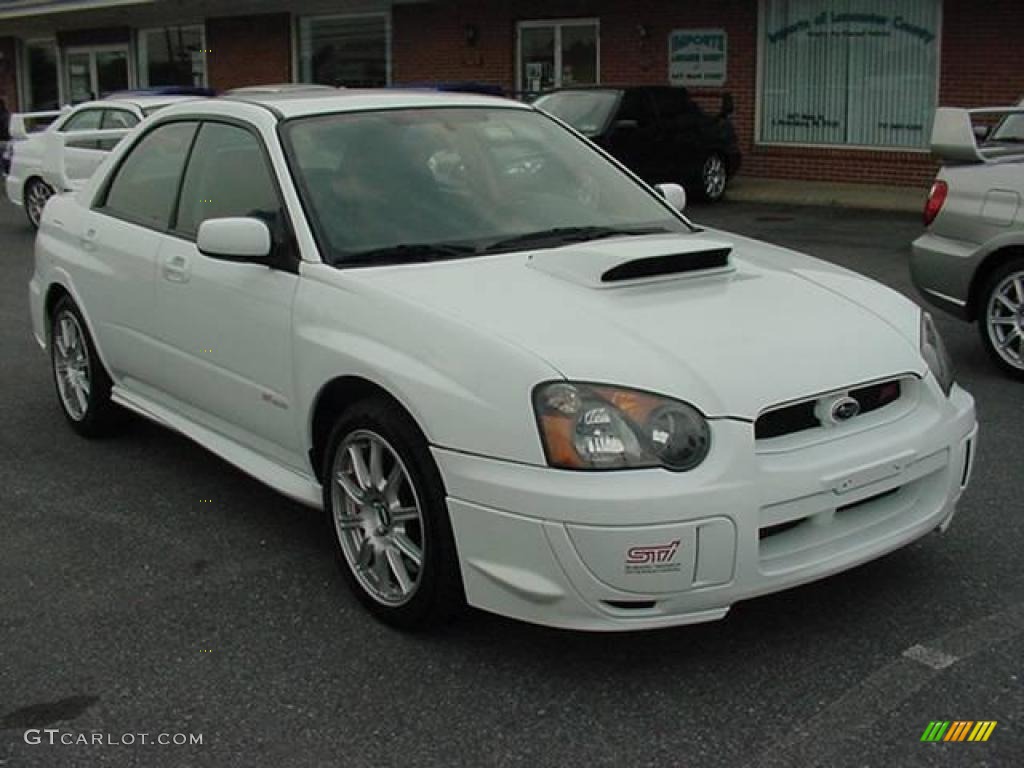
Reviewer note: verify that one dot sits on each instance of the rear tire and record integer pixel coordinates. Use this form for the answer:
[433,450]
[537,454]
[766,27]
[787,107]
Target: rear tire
[83,386]
[714,177]
[388,514]
[37,192]
[1001,317]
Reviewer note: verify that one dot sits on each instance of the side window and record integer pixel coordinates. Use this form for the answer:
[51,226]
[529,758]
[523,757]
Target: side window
[637,106]
[144,186]
[86,120]
[118,118]
[228,176]
[673,103]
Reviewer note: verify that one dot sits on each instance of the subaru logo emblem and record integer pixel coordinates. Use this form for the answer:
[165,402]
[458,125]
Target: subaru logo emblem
[844,409]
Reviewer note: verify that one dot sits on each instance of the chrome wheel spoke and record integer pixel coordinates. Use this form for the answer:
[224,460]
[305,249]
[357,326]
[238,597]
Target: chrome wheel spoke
[1002,299]
[80,396]
[359,468]
[376,469]
[398,570]
[407,547]
[365,554]
[1011,337]
[351,489]
[404,514]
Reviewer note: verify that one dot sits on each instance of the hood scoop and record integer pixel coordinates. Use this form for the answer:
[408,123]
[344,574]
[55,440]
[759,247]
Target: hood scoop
[629,261]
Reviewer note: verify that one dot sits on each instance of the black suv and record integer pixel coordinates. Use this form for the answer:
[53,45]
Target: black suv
[659,132]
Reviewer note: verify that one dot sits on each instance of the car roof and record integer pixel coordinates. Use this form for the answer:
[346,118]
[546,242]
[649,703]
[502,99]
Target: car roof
[303,103]
[139,102]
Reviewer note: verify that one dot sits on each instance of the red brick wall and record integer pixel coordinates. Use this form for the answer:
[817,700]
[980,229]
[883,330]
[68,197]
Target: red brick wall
[980,65]
[8,73]
[248,50]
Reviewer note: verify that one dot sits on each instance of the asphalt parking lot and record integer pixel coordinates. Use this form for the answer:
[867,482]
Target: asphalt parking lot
[148,587]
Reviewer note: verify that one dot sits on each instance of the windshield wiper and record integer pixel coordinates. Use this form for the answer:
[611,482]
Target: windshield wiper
[407,253]
[550,238]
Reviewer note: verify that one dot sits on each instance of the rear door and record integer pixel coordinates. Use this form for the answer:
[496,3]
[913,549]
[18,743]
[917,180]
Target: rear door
[82,158]
[120,241]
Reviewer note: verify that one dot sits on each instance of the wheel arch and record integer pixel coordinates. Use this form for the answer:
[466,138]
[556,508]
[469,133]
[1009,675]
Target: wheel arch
[332,399]
[989,264]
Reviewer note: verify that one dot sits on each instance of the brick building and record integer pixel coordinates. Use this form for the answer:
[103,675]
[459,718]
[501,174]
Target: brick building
[837,90]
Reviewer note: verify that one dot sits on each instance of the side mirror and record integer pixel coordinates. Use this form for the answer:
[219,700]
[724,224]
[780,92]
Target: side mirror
[728,106]
[234,239]
[981,132]
[674,194]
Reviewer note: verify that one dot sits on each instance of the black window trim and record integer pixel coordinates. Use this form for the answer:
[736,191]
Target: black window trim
[288,257]
[99,201]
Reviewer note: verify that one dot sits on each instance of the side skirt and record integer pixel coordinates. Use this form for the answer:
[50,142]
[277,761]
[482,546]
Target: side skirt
[285,481]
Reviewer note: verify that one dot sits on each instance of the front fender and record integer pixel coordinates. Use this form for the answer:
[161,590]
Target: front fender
[468,391]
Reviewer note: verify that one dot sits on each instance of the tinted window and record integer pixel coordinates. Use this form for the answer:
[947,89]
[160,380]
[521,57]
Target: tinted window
[466,176]
[144,187]
[86,120]
[636,105]
[672,103]
[227,176]
[586,111]
[118,118]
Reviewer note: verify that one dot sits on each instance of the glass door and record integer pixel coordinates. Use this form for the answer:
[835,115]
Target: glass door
[93,73]
[79,69]
[111,71]
[553,54]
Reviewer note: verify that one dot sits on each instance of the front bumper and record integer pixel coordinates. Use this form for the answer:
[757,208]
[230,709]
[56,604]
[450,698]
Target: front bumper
[644,549]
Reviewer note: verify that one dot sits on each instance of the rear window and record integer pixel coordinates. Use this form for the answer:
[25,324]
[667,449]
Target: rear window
[586,111]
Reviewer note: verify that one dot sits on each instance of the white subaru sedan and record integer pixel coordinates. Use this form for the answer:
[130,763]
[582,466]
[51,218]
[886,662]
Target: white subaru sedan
[512,374]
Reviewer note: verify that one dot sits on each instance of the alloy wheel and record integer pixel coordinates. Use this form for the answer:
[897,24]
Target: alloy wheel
[71,365]
[1004,319]
[714,177]
[378,518]
[37,195]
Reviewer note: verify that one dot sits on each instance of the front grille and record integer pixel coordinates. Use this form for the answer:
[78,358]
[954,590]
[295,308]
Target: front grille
[802,416]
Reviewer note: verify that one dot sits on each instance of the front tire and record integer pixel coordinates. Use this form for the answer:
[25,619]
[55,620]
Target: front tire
[387,509]
[37,192]
[83,386]
[1001,321]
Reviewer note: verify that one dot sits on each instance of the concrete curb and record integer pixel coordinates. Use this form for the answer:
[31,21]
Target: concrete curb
[747,189]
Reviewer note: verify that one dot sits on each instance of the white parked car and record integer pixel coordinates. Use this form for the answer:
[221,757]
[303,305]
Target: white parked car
[26,182]
[510,372]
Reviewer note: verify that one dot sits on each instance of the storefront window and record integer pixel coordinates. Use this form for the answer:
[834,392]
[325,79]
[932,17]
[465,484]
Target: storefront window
[43,88]
[172,56]
[557,54]
[351,51]
[849,72]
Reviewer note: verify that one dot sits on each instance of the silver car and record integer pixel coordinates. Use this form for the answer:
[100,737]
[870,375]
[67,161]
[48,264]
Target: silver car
[970,261]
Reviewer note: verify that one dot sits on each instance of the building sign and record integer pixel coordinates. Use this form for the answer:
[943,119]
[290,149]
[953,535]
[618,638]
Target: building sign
[849,72]
[697,57]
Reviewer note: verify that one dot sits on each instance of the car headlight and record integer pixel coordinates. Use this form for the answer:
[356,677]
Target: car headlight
[933,350]
[593,426]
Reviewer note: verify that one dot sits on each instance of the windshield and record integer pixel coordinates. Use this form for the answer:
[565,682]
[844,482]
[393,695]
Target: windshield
[414,184]
[586,111]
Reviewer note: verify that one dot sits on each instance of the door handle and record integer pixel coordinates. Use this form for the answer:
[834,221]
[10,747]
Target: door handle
[88,240]
[176,269]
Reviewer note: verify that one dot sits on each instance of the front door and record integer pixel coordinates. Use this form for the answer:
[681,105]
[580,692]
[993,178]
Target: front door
[227,325]
[94,72]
